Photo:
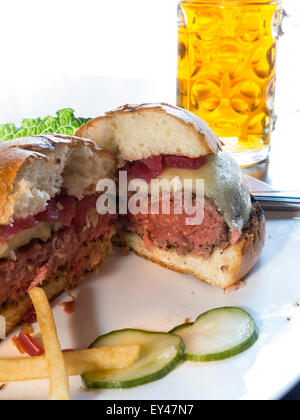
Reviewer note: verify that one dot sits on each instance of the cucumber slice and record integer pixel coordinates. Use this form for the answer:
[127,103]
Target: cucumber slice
[218,334]
[160,354]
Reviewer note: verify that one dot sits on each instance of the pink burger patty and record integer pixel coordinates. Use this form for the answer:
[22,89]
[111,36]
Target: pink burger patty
[41,262]
[170,231]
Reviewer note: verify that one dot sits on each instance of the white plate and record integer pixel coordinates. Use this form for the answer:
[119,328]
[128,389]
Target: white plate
[131,292]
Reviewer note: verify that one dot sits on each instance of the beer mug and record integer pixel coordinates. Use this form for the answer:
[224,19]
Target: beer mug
[227,70]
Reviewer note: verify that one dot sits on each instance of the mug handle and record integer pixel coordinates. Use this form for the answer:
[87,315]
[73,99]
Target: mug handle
[290,20]
[283,15]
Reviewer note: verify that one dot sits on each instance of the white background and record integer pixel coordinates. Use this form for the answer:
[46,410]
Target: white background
[91,55]
[95,55]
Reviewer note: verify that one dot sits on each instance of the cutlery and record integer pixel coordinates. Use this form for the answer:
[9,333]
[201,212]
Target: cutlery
[278,200]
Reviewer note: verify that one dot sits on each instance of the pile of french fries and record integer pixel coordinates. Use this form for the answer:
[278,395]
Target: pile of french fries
[58,366]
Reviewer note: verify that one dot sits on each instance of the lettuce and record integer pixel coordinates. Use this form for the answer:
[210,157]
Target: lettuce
[64,123]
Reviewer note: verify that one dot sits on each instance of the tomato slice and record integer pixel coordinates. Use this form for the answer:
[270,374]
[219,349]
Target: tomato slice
[184,162]
[153,166]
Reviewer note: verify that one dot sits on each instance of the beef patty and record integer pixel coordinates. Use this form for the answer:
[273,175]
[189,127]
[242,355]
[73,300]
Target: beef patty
[170,230]
[40,262]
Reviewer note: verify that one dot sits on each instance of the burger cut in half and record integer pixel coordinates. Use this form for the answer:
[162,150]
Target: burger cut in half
[50,231]
[159,141]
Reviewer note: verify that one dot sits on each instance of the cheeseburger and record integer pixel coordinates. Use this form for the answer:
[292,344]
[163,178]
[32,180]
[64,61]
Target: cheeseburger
[159,141]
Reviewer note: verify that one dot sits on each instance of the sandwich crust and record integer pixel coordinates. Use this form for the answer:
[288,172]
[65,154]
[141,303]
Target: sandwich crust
[207,137]
[139,131]
[224,268]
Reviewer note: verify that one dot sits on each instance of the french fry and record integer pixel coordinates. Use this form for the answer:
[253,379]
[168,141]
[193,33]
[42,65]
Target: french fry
[58,366]
[105,358]
[57,372]
[77,363]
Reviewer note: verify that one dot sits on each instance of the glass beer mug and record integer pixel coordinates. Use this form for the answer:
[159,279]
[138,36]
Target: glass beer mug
[227,70]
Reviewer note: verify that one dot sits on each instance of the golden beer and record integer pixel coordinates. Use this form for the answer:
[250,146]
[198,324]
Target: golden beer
[226,70]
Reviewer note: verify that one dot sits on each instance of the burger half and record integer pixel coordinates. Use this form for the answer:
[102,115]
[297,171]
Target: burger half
[50,232]
[159,141]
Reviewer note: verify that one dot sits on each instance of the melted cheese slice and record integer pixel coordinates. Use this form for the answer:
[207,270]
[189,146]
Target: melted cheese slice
[41,231]
[224,183]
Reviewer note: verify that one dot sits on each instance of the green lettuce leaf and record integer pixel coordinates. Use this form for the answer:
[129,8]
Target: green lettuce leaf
[64,123]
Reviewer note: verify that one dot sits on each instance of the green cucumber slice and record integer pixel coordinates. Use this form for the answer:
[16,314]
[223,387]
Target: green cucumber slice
[160,354]
[218,334]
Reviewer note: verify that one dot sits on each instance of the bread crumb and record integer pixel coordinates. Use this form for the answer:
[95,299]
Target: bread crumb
[2,387]
[187,320]
[69,306]
[12,256]
[239,285]
[70,295]
[17,345]
[27,329]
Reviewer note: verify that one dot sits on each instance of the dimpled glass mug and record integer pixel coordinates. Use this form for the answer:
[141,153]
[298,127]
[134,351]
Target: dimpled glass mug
[226,70]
